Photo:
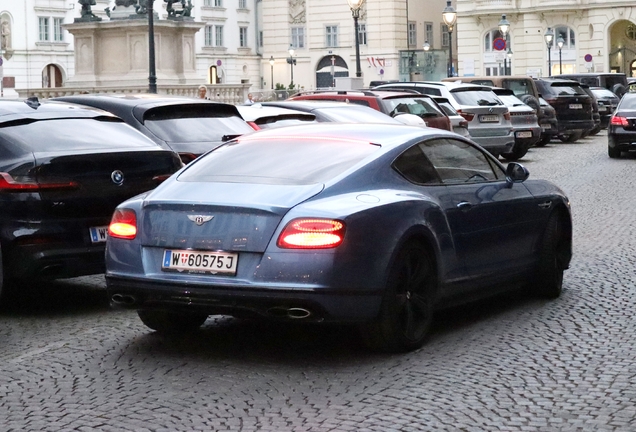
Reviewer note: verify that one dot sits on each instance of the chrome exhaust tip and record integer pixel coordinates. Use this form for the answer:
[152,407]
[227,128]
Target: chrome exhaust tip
[293,313]
[122,299]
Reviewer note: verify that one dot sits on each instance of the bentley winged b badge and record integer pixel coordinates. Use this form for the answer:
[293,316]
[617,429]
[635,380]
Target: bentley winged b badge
[200,219]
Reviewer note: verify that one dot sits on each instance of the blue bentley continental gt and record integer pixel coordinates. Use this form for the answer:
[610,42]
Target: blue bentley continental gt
[376,225]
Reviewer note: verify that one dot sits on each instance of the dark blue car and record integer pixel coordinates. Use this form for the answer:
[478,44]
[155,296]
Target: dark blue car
[351,223]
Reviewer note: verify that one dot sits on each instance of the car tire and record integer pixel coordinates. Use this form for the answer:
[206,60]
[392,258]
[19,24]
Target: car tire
[171,322]
[406,312]
[619,90]
[517,153]
[595,131]
[532,102]
[549,280]
[544,140]
[613,152]
[570,137]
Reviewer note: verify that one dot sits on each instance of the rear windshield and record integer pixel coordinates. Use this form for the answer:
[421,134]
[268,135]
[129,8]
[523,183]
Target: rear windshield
[193,124]
[603,93]
[422,107]
[352,114]
[289,161]
[628,102]
[510,100]
[476,97]
[73,134]
[519,87]
[565,89]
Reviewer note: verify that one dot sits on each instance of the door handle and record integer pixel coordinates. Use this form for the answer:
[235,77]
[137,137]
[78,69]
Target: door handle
[464,206]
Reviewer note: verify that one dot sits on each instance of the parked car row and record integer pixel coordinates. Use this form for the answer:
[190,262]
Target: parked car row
[199,212]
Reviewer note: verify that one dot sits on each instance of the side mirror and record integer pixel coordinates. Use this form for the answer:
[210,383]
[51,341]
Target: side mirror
[516,173]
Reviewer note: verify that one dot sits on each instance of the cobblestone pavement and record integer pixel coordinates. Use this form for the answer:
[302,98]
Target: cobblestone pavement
[512,363]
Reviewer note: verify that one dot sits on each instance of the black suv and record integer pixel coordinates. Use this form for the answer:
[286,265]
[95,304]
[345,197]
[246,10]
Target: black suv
[573,106]
[614,82]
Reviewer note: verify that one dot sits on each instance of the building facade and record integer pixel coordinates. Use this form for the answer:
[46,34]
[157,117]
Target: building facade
[597,35]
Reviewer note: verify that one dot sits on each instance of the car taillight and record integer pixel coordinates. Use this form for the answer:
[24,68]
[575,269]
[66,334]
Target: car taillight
[507,115]
[161,178]
[9,184]
[123,225]
[619,121]
[468,116]
[312,234]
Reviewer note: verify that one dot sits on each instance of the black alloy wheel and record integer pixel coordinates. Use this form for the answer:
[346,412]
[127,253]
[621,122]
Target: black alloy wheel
[407,308]
[554,245]
[171,322]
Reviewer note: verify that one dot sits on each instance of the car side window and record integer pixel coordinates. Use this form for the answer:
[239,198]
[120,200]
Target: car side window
[359,102]
[457,161]
[415,167]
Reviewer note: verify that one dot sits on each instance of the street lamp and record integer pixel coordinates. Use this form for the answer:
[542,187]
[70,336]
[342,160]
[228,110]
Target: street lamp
[355,6]
[449,16]
[152,73]
[292,61]
[504,27]
[271,71]
[509,54]
[560,43]
[549,39]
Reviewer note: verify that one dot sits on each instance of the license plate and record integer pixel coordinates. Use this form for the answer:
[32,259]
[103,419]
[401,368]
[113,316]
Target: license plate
[98,234]
[576,106]
[200,262]
[546,126]
[602,108]
[523,134]
[489,118]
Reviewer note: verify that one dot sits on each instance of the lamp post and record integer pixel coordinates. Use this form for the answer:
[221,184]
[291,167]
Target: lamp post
[449,16]
[509,55]
[549,39]
[427,59]
[271,71]
[355,6]
[560,43]
[152,73]
[292,61]
[504,27]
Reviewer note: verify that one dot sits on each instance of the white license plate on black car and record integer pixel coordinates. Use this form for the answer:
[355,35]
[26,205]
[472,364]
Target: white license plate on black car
[200,262]
[576,106]
[98,234]
[546,126]
[523,134]
[489,118]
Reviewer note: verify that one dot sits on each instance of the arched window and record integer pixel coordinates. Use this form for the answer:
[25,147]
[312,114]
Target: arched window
[489,40]
[51,76]
[495,52]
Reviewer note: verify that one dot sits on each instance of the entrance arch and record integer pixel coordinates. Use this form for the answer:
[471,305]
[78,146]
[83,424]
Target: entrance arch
[52,76]
[622,55]
[328,69]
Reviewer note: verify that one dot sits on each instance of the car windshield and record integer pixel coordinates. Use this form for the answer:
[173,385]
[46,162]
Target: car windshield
[422,107]
[519,87]
[73,134]
[193,124]
[476,97]
[280,161]
[352,114]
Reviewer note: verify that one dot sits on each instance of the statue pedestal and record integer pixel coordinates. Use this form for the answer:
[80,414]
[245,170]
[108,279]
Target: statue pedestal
[115,53]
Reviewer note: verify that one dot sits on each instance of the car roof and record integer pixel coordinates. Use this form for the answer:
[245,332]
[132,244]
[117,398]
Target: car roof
[258,110]
[34,108]
[450,85]
[373,93]
[310,105]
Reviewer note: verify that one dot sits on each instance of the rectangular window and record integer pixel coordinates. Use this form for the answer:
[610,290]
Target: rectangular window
[243,37]
[209,35]
[298,37]
[58,35]
[218,35]
[43,29]
[260,39]
[445,36]
[218,3]
[207,3]
[362,34]
[429,33]
[331,33]
[242,4]
[412,34]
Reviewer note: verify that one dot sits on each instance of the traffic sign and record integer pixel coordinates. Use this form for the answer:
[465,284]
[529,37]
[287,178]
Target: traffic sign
[588,58]
[499,44]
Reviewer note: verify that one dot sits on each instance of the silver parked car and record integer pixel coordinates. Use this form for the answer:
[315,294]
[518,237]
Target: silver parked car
[525,124]
[459,123]
[487,116]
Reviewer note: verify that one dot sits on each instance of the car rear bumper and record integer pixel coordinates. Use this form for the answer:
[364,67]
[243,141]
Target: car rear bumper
[549,127]
[621,140]
[54,261]
[324,305]
[496,144]
[575,125]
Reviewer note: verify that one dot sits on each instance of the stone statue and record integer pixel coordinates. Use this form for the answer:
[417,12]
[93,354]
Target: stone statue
[186,10]
[142,7]
[125,3]
[5,32]
[87,12]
